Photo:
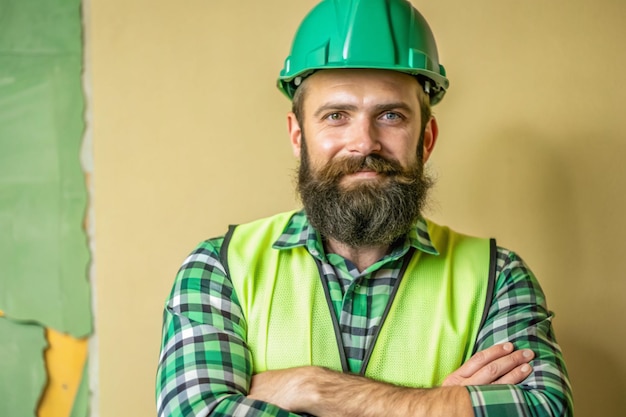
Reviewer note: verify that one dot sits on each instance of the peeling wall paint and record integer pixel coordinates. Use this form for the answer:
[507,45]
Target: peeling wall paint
[45,292]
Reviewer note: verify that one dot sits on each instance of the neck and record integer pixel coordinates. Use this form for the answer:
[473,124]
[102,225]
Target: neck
[362,257]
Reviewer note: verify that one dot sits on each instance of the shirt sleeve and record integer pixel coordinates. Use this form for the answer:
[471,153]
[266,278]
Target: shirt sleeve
[519,314]
[204,367]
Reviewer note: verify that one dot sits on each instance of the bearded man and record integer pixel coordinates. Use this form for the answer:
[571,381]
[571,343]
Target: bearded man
[357,305]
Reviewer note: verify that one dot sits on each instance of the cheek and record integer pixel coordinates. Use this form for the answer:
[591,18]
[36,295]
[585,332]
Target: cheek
[323,148]
[405,151]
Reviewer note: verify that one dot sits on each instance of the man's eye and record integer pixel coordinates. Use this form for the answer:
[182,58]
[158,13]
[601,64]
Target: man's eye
[391,116]
[334,116]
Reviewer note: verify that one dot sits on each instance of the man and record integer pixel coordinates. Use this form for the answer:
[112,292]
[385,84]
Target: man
[357,305]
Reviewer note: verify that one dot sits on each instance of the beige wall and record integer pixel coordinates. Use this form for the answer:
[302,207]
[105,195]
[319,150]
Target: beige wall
[189,136]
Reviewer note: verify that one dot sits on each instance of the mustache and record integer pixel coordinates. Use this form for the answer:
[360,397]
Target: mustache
[352,165]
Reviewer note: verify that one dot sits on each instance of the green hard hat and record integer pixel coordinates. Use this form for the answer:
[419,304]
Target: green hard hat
[378,34]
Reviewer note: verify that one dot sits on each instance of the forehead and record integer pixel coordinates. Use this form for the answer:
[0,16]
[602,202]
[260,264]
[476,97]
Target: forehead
[362,86]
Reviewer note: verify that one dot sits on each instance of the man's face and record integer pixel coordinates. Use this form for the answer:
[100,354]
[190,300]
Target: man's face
[361,173]
[350,113]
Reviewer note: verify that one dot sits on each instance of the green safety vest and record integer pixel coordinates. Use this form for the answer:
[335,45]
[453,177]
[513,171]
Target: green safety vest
[429,328]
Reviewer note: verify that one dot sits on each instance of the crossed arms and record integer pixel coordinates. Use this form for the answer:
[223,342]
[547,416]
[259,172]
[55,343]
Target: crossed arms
[322,392]
[206,369]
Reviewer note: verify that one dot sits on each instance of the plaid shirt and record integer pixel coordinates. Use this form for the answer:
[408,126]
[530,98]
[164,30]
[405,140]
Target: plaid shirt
[205,367]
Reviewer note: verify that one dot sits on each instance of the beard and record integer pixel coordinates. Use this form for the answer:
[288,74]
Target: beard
[364,213]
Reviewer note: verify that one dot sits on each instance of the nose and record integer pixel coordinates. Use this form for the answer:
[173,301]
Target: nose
[363,138]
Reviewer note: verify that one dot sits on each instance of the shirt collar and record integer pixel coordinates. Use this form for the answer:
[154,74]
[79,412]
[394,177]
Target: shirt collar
[299,232]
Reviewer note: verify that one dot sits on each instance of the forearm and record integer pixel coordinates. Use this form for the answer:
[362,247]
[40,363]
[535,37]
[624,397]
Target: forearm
[326,393]
[350,395]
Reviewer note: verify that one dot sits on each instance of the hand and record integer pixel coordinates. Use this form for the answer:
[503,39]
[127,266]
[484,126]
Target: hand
[499,364]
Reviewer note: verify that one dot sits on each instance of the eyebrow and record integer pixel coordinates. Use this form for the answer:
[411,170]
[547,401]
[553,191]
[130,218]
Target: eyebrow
[400,105]
[334,106]
[378,108]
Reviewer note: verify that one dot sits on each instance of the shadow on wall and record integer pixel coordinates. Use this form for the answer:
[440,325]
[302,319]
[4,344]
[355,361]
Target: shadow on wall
[559,201]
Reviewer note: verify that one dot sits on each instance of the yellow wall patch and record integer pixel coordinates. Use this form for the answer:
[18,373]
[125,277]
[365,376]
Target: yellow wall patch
[65,361]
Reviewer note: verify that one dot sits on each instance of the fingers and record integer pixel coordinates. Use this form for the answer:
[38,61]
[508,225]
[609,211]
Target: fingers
[504,370]
[484,358]
[499,364]
[515,376]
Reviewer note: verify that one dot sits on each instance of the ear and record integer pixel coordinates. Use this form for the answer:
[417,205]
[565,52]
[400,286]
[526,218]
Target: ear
[431,131]
[295,133]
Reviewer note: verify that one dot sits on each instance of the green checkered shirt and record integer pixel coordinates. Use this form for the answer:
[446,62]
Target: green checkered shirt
[205,367]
